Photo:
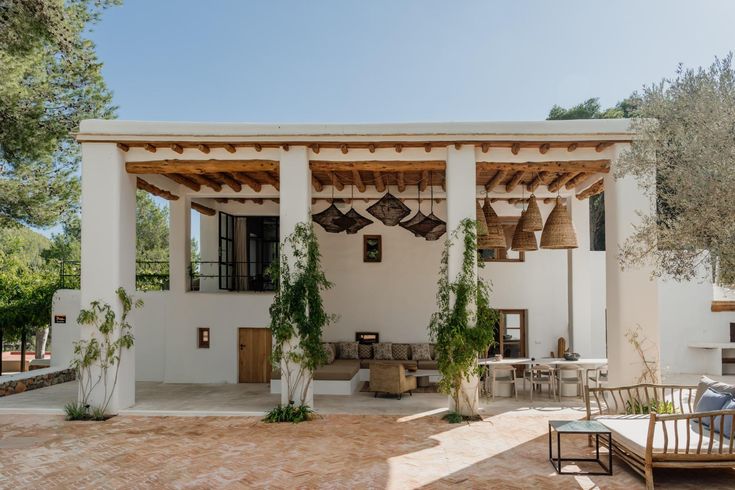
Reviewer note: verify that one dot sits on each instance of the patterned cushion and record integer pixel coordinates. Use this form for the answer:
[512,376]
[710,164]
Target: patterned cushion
[400,352]
[331,351]
[348,350]
[365,351]
[420,352]
[383,351]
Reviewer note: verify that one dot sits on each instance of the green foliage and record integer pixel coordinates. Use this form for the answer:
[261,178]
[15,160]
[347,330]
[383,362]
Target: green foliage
[635,406]
[94,358]
[77,411]
[591,109]
[463,326]
[289,413]
[453,418]
[50,80]
[683,157]
[297,312]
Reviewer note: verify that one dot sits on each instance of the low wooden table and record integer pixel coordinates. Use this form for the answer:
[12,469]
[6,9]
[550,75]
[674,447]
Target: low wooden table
[588,427]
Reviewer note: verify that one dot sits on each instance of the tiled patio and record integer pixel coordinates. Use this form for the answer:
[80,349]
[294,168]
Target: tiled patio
[506,451]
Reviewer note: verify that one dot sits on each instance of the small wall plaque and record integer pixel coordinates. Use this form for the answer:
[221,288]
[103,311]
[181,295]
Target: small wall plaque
[372,248]
[59,319]
[203,337]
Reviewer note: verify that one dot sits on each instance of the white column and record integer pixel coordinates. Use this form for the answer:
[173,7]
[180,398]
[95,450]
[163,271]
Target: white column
[579,287]
[179,244]
[295,206]
[632,296]
[108,251]
[460,184]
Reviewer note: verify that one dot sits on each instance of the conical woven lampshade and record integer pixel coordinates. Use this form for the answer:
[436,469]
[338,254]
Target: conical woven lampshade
[480,217]
[523,240]
[495,237]
[532,220]
[559,232]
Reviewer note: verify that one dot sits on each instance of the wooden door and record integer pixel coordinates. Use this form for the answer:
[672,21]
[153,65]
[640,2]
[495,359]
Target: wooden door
[254,355]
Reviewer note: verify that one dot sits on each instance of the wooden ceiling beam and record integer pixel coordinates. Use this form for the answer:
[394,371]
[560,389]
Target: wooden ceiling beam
[316,184]
[149,147]
[515,148]
[400,178]
[543,149]
[203,148]
[357,180]
[230,148]
[205,180]
[379,183]
[424,180]
[203,209]
[270,179]
[248,181]
[156,191]
[589,166]
[123,146]
[180,179]
[315,148]
[578,179]
[377,166]
[559,182]
[334,179]
[572,147]
[495,180]
[592,190]
[601,146]
[200,166]
[228,179]
[177,148]
[514,181]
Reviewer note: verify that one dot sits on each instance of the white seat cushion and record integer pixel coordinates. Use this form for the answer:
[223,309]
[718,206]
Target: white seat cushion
[632,432]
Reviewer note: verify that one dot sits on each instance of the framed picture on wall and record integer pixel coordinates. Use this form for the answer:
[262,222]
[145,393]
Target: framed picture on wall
[372,248]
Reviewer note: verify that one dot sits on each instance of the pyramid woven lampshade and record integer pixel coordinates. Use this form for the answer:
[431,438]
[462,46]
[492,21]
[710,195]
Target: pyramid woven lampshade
[389,209]
[559,231]
[532,220]
[523,240]
[480,216]
[333,220]
[495,237]
[353,221]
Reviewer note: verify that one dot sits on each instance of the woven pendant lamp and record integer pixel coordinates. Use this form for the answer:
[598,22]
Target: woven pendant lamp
[523,240]
[559,232]
[533,220]
[495,237]
[480,217]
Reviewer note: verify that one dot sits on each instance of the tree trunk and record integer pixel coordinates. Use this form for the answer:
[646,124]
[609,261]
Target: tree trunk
[41,339]
[23,338]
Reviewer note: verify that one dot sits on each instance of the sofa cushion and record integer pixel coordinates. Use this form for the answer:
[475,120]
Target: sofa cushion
[727,423]
[705,382]
[365,351]
[710,401]
[383,351]
[420,352]
[339,370]
[400,351]
[348,350]
[331,351]
[432,365]
[631,431]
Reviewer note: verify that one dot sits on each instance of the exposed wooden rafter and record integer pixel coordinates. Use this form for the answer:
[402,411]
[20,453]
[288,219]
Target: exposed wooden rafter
[230,148]
[149,147]
[248,181]
[514,181]
[334,178]
[401,181]
[357,180]
[181,179]
[377,166]
[203,148]
[592,190]
[156,191]
[578,179]
[515,148]
[539,179]
[177,148]
[544,148]
[228,179]
[590,166]
[316,184]
[495,180]
[123,146]
[559,182]
[379,183]
[203,209]
[424,180]
[205,180]
[270,179]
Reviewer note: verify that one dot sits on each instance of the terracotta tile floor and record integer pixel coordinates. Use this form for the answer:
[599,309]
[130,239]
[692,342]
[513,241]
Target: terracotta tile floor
[507,450]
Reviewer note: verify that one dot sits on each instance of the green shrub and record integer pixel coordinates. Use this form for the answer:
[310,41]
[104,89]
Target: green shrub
[635,406]
[289,413]
[76,411]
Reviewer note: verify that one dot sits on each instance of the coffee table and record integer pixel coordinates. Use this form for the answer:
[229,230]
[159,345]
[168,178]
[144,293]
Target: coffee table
[588,427]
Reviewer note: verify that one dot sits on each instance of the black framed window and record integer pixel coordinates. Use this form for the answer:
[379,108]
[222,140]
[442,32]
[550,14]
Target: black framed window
[262,250]
[247,247]
[226,251]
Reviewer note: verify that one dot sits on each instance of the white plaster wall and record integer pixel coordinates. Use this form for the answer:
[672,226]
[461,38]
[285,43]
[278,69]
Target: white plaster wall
[597,294]
[63,335]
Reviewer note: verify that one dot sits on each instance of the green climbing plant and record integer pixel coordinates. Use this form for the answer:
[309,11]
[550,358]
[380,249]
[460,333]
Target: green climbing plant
[297,312]
[463,325]
[95,358]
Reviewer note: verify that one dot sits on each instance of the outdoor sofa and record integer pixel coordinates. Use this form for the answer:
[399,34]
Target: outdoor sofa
[686,438]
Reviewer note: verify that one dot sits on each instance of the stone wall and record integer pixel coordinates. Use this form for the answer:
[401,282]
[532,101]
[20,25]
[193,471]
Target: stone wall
[31,381]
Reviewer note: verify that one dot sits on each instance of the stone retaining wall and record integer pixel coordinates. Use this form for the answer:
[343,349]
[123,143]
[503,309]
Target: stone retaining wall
[32,381]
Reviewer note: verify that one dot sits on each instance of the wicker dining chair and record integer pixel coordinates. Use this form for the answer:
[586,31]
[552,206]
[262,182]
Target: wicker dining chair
[539,375]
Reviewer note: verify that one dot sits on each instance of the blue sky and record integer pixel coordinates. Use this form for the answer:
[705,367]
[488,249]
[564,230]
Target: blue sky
[395,60]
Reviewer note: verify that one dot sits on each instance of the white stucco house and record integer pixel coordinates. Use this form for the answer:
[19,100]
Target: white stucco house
[252,183]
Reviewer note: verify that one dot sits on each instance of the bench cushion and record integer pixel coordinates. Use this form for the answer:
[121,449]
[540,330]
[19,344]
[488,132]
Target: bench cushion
[339,370]
[427,364]
[406,364]
[631,431]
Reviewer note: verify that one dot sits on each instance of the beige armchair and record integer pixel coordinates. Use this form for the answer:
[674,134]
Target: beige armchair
[390,378]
